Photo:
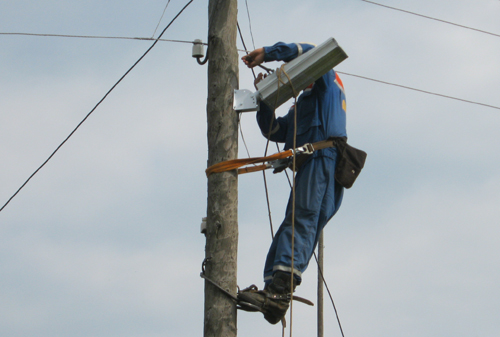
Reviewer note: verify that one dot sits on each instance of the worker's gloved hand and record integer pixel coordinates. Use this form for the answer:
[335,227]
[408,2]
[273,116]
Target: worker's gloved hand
[254,58]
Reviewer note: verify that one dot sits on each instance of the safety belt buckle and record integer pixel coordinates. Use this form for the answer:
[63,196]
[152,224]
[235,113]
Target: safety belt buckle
[305,149]
[279,164]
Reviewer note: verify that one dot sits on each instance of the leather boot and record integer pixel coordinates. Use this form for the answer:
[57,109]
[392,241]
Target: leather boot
[273,301]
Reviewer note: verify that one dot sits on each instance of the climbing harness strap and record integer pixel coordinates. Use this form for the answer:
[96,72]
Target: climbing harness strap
[278,161]
[237,163]
[241,304]
[244,305]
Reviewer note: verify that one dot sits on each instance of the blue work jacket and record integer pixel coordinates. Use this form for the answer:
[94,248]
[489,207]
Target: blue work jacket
[321,111]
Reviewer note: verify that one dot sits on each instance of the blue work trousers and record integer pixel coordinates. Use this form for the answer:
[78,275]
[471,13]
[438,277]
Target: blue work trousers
[317,199]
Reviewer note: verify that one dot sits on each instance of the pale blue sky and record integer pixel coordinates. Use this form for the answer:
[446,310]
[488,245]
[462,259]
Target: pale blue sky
[105,240]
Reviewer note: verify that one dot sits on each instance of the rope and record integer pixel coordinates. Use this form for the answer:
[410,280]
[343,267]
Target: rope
[292,186]
[237,163]
[264,172]
[281,70]
[278,74]
[293,200]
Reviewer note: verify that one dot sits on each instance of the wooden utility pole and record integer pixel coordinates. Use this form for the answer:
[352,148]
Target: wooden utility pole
[222,205]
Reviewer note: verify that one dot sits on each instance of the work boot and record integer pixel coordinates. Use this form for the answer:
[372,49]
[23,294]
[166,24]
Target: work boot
[280,292]
[273,301]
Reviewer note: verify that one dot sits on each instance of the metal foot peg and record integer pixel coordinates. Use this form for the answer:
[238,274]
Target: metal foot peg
[303,300]
[244,304]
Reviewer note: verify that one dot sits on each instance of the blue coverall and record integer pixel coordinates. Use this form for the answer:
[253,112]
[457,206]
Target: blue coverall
[321,113]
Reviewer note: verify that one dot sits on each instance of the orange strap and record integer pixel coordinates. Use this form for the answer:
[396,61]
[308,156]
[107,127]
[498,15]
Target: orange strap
[255,168]
[237,163]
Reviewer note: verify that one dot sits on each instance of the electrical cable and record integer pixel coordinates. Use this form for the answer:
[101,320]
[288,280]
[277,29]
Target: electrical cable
[200,62]
[161,18]
[419,90]
[329,294]
[263,172]
[244,46]
[99,37]
[268,137]
[239,118]
[241,131]
[120,38]
[268,205]
[246,51]
[379,81]
[95,107]
[431,18]
[292,186]
[243,137]
[293,210]
[250,24]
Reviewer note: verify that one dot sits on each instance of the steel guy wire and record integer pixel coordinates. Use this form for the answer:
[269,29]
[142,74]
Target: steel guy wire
[95,107]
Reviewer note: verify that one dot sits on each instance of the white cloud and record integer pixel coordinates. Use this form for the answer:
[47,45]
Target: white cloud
[105,240]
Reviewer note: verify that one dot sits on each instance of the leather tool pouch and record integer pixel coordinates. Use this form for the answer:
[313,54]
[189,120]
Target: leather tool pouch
[349,163]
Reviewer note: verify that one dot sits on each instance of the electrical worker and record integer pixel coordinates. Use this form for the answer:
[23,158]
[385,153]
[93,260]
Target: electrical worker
[321,114]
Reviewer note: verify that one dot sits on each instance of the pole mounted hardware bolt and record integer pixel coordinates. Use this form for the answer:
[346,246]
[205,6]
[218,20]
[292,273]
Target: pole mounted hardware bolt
[203,227]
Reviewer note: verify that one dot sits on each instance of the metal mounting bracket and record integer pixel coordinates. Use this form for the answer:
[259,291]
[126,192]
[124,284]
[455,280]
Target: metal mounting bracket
[245,100]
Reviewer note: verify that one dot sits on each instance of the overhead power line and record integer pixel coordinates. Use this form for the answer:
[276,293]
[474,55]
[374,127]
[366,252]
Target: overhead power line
[111,38]
[99,37]
[161,18]
[419,90]
[95,107]
[329,294]
[241,50]
[250,24]
[431,18]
